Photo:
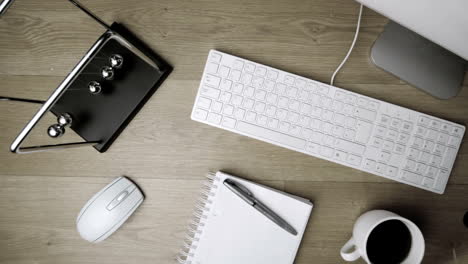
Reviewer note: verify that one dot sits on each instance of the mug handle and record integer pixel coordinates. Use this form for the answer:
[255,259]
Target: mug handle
[350,256]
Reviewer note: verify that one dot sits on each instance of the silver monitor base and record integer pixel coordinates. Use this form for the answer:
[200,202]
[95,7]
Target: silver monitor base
[418,61]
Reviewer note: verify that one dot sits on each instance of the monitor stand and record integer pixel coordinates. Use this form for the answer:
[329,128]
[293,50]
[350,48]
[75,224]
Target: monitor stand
[418,61]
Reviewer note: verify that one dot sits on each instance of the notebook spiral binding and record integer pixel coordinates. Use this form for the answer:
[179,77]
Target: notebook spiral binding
[197,223]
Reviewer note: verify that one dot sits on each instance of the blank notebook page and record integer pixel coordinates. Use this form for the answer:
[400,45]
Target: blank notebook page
[235,233]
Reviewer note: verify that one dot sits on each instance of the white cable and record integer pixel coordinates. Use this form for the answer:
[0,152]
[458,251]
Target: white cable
[350,48]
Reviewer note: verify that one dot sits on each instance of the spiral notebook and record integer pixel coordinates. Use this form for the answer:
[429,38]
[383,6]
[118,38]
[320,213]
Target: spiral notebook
[226,230]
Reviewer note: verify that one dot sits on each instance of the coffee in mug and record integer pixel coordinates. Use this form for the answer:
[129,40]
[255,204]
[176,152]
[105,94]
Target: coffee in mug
[382,237]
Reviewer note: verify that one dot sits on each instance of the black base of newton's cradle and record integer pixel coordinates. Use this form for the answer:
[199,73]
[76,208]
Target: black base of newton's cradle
[102,117]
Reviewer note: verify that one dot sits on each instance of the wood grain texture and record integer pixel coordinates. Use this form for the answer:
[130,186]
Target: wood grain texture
[167,154]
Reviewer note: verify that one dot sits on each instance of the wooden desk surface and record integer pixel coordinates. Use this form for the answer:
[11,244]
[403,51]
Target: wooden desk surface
[167,154]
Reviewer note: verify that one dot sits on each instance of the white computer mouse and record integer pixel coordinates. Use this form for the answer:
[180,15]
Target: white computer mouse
[108,209]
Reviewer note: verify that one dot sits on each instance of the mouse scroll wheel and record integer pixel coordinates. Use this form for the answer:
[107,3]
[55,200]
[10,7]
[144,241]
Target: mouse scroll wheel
[117,200]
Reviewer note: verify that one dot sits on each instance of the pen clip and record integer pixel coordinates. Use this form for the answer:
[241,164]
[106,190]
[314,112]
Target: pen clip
[241,187]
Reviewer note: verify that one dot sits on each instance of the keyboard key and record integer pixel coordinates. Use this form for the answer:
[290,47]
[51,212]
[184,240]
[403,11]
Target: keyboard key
[281,114]
[449,158]
[237,100]
[327,127]
[238,65]
[384,120]
[248,103]
[271,98]
[281,89]
[391,135]
[428,146]
[457,131]
[380,168]
[271,110]
[423,121]
[442,138]
[262,120]
[313,147]
[293,117]
[251,116]
[210,92]
[289,80]
[300,83]
[349,146]
[303,95]
[200,114]
[417,143]
[304,121]
[432,135]
[228,110]
[328,140]
[283,102]
[268,134]
[317,137]
[326,151]
[204,102]
[224,71]
[257,82]
[339,119]
[349,134]
[340,155]
[391,171]
[337,106]
[407,127]
[363,131]
[294,105]
[295,130]
[261,71]
[306,133]
[376,142]
[327,115]
[436,160]
[442,179]
[322,89]
[411,177]
[454,141]
[229,122]
[439,149]
[316,124]
[250,67]
[269,85]
[435,124]
[425,157]
[373,105]
[272,74]
[432,172]
[410,165]
[364,114]
[421,131]
[259,107]
[226,97]
[421,168]
[403,138]
[350,99]
[395,123]
[215,57]
[214,118]
[354,160]
[212,67]
[284,126]
[445,128]
[238,88]
[239,113]
[338,131]
[350,122]
[369,165]
[387,145]
[291,92]
[249,91]
[414,153]
[246,78]
[217,106]
[339,95]
[260,95]
[428,182]
[362,102]
[384,156]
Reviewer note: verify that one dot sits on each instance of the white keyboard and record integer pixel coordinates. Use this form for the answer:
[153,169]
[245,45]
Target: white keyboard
[327,122]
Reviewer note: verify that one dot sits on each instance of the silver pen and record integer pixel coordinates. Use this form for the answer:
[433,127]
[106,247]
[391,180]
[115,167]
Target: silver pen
[248,197]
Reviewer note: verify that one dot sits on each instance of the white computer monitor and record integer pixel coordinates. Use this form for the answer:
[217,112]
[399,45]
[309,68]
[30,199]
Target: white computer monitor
[426,44]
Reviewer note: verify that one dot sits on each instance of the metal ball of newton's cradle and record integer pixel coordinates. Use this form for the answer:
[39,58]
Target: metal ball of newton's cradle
[57,130]
[94,87]
[116,61]
[107,73]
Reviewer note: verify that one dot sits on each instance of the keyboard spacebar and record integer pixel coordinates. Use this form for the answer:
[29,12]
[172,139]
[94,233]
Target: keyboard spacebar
[271,135]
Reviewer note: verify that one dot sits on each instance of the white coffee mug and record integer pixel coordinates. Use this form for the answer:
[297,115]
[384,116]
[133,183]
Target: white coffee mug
[356,247]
